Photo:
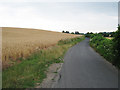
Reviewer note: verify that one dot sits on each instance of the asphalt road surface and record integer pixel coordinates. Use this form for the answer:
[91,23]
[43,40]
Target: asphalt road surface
[84,68]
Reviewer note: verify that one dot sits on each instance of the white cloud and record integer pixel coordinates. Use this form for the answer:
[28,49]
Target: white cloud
[55,18]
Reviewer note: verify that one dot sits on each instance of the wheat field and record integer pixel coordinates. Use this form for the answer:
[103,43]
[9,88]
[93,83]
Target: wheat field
[22,42]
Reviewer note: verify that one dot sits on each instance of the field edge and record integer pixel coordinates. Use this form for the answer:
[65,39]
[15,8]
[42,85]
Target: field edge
[33,69]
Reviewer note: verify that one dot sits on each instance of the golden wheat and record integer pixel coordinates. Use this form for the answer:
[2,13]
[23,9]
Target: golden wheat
[21,42]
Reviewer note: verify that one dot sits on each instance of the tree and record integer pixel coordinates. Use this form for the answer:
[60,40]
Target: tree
[88,34]
[91,33]
[72,32]
[67,31]
[112,34]
[116,47]
[63,31]
[76,32]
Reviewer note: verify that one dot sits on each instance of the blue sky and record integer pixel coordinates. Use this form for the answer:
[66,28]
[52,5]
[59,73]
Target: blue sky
[57,16]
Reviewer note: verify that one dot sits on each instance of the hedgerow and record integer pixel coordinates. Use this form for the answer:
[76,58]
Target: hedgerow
[103,46]
[108,48]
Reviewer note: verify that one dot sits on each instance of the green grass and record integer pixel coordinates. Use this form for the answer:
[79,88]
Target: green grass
[32,70]
[0,79]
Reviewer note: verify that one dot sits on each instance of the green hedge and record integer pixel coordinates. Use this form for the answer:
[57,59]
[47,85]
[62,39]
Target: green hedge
[108,48]
[103,46]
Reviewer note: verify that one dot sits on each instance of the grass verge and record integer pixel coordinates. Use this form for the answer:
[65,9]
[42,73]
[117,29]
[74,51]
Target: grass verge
[32,70]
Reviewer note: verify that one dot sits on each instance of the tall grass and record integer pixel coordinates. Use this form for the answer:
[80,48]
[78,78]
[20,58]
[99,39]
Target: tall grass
[32,70]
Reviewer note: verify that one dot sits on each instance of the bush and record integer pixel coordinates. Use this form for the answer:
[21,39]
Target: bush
[116,47]
[108,48]
[103,46]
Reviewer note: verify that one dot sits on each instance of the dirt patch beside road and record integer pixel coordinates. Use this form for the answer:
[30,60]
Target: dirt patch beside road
[52,76]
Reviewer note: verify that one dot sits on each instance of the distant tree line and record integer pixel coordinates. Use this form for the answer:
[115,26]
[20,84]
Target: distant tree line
[104,34]
[107,34]
[76,32]
[65,31]
[88,34]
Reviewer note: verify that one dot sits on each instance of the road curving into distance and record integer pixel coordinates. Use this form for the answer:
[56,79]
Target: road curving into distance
[84,68]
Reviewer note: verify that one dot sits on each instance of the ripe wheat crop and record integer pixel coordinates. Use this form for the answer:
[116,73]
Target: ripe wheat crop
[21,42]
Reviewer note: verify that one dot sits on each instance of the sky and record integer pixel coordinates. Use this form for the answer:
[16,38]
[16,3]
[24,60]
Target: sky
[89,16]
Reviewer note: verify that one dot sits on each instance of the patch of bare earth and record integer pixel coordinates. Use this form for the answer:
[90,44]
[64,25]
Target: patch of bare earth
[52,76]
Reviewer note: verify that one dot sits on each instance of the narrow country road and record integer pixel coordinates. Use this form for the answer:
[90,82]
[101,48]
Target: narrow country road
[84,68]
